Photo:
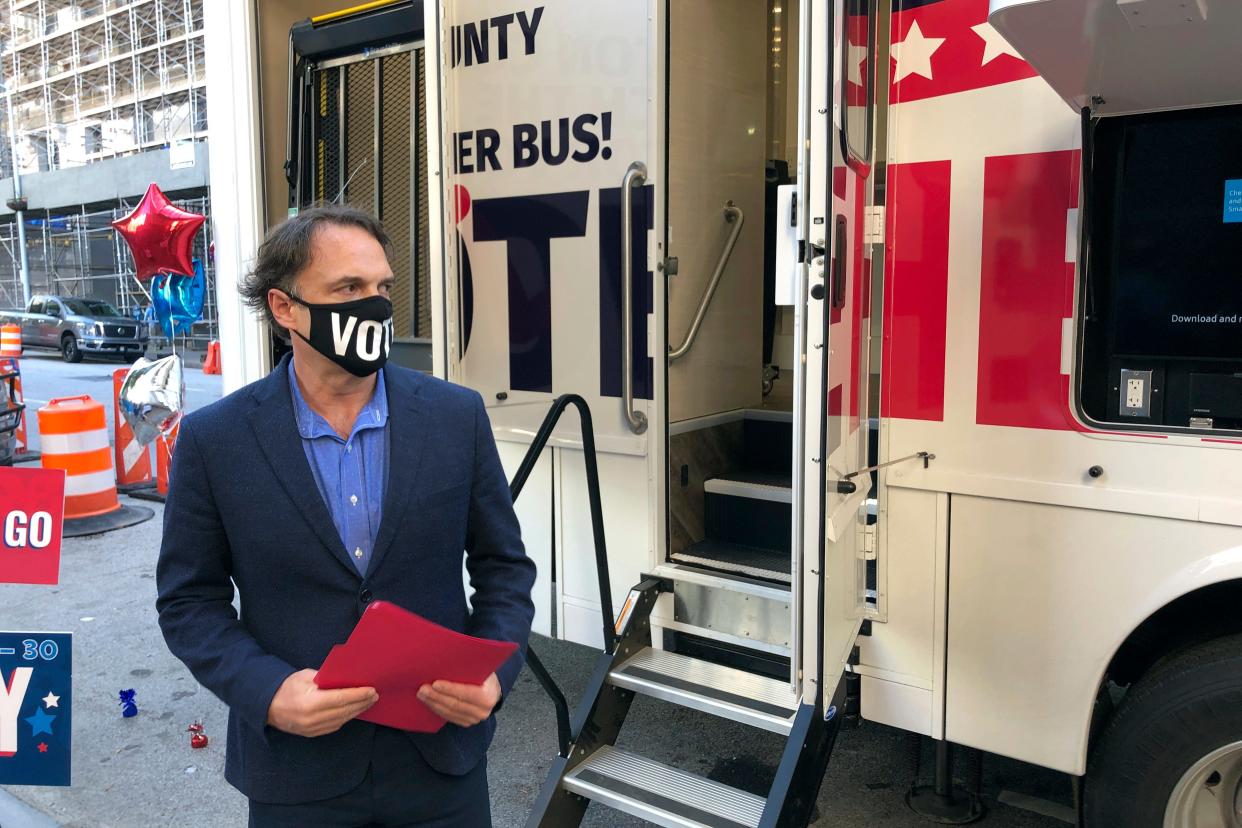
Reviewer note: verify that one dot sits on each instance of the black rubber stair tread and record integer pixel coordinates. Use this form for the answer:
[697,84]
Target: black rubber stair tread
[733,557]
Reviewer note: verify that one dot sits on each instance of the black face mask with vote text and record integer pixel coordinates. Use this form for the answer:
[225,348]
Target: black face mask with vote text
[355,335]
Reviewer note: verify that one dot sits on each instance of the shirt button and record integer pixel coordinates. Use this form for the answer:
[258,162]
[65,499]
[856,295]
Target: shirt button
[358,552]
[349,448]
[353,500]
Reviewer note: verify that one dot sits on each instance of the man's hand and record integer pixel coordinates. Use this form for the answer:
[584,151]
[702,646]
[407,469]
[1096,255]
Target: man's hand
[462,704]
[301,708]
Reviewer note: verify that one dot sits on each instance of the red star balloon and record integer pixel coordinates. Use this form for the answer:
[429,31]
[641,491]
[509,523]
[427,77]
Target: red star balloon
[159,235]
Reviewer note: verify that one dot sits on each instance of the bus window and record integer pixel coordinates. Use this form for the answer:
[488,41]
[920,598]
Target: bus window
[858,79]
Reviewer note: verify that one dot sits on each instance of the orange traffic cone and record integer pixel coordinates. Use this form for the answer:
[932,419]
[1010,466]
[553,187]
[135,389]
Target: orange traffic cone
[211,365]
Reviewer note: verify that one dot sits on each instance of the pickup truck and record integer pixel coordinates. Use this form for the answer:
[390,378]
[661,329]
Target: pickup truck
[76,326]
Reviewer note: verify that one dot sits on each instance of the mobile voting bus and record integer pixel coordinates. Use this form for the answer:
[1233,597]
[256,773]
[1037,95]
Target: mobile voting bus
[910,336]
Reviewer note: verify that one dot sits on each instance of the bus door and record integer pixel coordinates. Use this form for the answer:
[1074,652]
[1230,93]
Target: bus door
[836,314]
[551,199]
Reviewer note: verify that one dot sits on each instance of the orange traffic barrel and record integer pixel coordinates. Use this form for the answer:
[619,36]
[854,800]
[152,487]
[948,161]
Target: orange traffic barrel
[10,341]
[133,460]
[164,446]
[73,436]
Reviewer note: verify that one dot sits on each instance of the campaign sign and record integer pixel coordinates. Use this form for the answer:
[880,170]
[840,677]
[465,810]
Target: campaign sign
[36,710]
[32,509]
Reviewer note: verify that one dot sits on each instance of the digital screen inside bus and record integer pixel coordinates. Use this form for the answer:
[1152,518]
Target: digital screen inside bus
[1177,253]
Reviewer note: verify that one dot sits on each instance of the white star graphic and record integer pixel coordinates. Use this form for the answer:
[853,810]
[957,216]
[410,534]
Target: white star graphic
[994,45]
[858,55]
[51,700]
[914,54]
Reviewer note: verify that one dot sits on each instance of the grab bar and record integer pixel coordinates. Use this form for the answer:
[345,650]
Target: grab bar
[563,729]
[634,176]
[733,214]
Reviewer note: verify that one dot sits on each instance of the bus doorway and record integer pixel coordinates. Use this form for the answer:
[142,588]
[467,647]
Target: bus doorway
[732,141]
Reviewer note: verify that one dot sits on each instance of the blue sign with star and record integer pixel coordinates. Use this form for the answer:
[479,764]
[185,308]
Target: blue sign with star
[36,713]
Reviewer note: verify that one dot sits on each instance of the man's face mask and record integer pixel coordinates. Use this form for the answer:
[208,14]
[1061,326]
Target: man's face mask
[355,335]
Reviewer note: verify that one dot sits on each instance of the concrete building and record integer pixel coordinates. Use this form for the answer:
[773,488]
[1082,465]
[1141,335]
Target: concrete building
[100,99]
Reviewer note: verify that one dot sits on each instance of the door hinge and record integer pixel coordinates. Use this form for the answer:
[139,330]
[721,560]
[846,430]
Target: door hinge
[873,231]
[869,542]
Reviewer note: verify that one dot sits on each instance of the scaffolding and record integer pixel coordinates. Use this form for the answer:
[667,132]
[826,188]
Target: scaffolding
[80,254]
[94,79]
[89,80]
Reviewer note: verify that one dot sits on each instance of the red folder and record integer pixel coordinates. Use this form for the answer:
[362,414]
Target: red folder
[397,652]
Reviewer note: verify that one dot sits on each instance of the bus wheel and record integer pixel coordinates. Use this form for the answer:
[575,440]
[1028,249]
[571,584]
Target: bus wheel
[1171,757]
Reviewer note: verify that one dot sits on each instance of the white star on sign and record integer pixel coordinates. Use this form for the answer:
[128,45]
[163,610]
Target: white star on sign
[51,700]
[994,45]
[858,55]
[914,54]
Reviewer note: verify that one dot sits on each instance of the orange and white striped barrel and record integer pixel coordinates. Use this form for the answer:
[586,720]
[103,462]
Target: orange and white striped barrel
[73,433]
[133,461]
[10,341]
[12,365]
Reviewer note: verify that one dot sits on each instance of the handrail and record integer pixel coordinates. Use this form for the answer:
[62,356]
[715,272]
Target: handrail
[634,176]
[734,215]
[597,530]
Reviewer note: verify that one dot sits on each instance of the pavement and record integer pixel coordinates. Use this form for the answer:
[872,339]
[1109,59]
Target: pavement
[133,773]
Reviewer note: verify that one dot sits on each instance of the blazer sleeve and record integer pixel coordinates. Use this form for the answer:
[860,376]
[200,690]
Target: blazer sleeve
[501,574]
[195,595]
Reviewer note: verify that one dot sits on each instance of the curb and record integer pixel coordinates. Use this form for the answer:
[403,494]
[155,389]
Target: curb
[15,813]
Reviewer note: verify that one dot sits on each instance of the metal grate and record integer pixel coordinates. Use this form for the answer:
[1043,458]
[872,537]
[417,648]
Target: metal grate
[360,144]
[327,135]
[396,136]
[422,291]
[376,160]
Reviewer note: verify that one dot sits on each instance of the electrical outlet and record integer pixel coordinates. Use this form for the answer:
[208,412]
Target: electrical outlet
[1135,393]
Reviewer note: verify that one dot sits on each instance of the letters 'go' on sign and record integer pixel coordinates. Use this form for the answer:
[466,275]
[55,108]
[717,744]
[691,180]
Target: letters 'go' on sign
[32,508]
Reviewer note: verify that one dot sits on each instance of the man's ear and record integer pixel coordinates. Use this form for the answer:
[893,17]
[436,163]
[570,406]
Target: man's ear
[282,309]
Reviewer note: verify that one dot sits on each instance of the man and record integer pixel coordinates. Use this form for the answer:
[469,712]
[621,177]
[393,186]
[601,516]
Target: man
[331,483]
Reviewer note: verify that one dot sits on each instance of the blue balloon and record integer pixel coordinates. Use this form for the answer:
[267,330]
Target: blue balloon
[178,299]
[187,295]
[159,302]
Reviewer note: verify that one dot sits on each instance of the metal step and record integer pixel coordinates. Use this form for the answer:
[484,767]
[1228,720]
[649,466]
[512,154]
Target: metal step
[711,688]
[660,794]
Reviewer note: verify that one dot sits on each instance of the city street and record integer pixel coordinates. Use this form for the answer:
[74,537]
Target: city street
[46,376]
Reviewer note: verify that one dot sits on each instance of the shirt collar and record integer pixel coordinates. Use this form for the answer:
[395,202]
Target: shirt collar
[311,425]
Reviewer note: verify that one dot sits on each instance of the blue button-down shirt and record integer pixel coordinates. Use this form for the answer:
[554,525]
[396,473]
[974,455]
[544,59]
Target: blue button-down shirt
[352,474]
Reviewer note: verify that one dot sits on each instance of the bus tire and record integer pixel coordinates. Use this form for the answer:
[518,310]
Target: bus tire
[1176,739]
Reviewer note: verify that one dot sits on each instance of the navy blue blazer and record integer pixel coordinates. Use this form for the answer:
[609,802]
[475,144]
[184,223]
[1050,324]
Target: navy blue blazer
[243,509]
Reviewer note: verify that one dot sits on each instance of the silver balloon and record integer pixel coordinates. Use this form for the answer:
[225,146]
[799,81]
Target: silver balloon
[153,397]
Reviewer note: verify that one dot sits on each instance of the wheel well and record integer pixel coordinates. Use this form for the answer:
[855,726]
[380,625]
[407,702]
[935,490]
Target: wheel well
[1207,613]
[66,335]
